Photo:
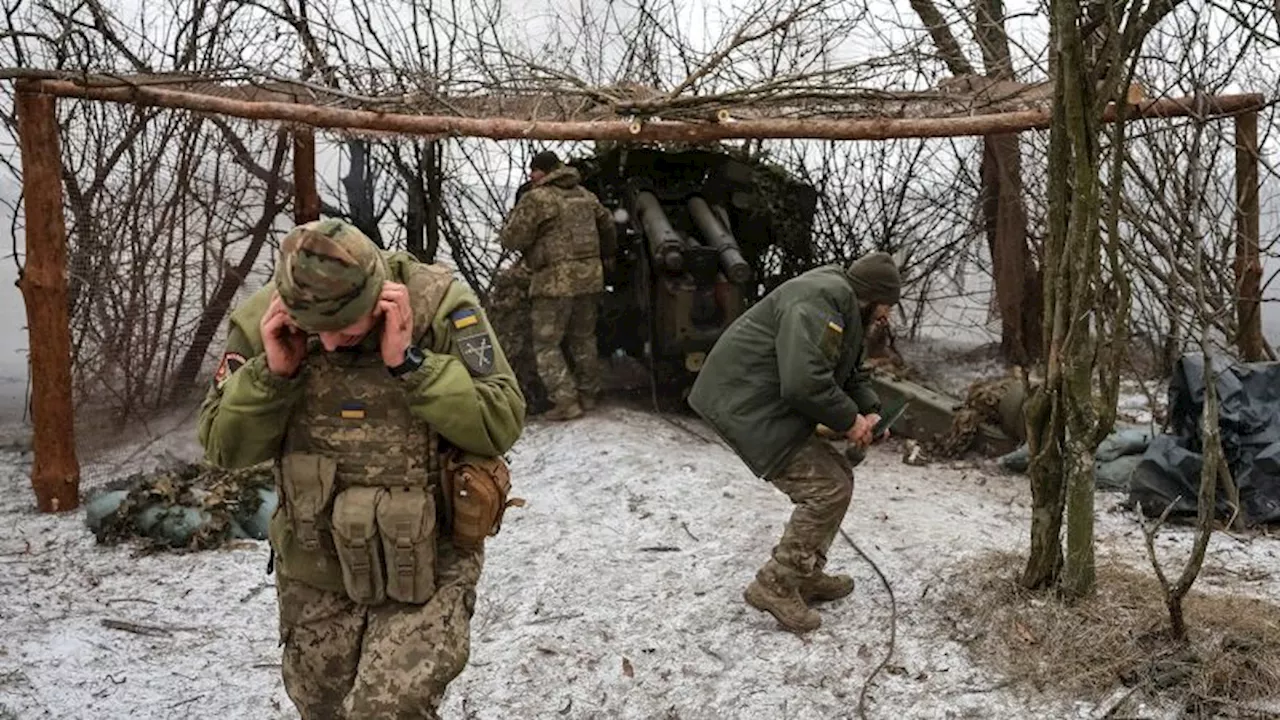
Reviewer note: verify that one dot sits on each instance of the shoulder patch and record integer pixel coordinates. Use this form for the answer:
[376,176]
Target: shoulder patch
[476,347]
[231,362]
[464,318]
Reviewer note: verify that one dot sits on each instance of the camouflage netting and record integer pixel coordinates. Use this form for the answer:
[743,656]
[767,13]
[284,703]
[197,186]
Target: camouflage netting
[184,507]
[995,402]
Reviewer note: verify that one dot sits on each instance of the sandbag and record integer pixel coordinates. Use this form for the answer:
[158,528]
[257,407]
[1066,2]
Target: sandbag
[185,506]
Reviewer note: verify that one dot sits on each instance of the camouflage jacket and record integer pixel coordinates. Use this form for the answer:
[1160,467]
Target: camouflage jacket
[792,361]
[562,231]
[465,390]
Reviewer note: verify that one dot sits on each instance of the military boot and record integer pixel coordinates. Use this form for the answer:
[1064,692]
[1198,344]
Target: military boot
[588,402]
[824,587]
[564,411]
[781,600]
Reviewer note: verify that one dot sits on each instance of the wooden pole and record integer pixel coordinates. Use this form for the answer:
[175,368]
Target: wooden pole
[1248,265]
[55,474]
[306,200]
[666,131]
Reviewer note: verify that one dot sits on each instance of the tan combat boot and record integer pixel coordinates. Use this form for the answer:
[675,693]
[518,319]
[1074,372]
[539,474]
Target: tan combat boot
[824,587]
[783,602]
[564,411]
[588,402]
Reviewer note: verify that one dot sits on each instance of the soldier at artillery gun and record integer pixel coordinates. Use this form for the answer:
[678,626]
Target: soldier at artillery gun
[562,232]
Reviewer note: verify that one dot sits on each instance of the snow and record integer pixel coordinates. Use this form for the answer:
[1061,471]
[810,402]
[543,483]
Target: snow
[616,592]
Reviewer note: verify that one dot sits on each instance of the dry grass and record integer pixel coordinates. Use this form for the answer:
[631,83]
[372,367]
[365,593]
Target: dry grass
[1119,637]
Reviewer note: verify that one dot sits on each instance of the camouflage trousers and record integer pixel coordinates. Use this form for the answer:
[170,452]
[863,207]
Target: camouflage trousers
[553,319]
[819,480]
[347,661]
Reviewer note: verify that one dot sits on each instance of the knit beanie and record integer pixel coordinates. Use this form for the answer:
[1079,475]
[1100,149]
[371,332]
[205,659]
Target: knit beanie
[875,279]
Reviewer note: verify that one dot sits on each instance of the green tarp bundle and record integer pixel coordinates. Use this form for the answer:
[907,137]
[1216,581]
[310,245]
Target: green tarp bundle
[1114,462]
[184,507]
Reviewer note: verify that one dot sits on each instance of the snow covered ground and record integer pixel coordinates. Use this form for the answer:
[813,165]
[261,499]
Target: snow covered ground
[615,593]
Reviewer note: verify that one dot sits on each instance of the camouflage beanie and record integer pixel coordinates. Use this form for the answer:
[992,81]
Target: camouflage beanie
[875,279]
[329,275]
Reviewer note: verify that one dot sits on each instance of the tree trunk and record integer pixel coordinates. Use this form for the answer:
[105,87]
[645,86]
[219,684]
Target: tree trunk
[306,202]
[1046,422]
[233,277]
[55,472]
[1014,269]
[415,203]
[434,174]
[359,183]
[1248,265]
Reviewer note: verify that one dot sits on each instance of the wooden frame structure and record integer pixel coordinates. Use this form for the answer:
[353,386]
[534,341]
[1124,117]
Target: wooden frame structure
[55,472]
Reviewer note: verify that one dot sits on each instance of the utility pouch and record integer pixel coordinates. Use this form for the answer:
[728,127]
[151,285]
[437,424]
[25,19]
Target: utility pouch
[475,491]
[355,535]
[307,481]
[407,524]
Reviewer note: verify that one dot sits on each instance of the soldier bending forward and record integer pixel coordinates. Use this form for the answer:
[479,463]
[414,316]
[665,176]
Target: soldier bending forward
[375,385]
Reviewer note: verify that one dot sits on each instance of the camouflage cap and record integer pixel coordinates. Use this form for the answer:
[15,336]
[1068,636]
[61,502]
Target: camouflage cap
[329,275]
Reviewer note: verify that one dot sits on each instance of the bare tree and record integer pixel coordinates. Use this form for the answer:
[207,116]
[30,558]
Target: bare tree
[1091,61]
[1017,275]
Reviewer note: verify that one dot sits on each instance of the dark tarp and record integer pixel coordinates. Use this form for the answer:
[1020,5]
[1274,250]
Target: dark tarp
[1249,419]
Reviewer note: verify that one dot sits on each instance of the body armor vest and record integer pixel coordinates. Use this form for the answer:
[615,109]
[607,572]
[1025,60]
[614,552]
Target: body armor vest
[353,411]
[576,237]
[358,479]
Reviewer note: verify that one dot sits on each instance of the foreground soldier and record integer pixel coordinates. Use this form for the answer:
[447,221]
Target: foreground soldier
[562,231]
[362,373]
[788,364]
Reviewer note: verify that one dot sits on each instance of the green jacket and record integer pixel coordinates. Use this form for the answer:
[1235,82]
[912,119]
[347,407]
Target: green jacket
[793,360]
[477,407]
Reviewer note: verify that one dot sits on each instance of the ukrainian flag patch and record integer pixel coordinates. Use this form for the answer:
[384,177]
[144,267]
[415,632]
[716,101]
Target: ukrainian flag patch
[464,318]
[352,410]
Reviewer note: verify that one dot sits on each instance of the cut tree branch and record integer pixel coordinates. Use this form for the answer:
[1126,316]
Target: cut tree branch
[513,129]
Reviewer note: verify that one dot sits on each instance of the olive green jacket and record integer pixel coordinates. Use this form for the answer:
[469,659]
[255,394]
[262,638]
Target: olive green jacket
[471,400]
[793,360]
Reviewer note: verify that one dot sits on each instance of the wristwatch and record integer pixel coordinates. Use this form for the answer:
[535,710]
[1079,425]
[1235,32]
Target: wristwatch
[413,359]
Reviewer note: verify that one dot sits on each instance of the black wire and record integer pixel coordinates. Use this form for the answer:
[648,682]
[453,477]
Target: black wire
[893,624]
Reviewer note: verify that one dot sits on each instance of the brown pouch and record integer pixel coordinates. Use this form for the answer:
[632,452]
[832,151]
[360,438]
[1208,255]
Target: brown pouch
[475,490]
[407,524]
[355,535]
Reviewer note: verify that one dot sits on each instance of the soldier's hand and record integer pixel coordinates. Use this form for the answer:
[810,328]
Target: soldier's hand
[397,323]
[860,433]
[285,344]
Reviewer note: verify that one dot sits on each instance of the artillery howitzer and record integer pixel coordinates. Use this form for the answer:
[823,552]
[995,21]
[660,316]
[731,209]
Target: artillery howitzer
[702,233]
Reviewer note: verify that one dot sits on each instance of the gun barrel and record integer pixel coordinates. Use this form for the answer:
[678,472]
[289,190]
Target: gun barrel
[665,245]
[718,236]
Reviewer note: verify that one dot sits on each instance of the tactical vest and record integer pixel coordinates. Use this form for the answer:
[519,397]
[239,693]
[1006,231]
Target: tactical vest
[576,236]
[358,476]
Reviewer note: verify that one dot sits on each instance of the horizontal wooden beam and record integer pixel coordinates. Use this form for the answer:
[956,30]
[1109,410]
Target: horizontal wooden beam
[620,131]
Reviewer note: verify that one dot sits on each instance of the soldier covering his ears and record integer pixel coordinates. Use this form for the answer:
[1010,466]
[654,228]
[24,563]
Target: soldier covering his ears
[375,385]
